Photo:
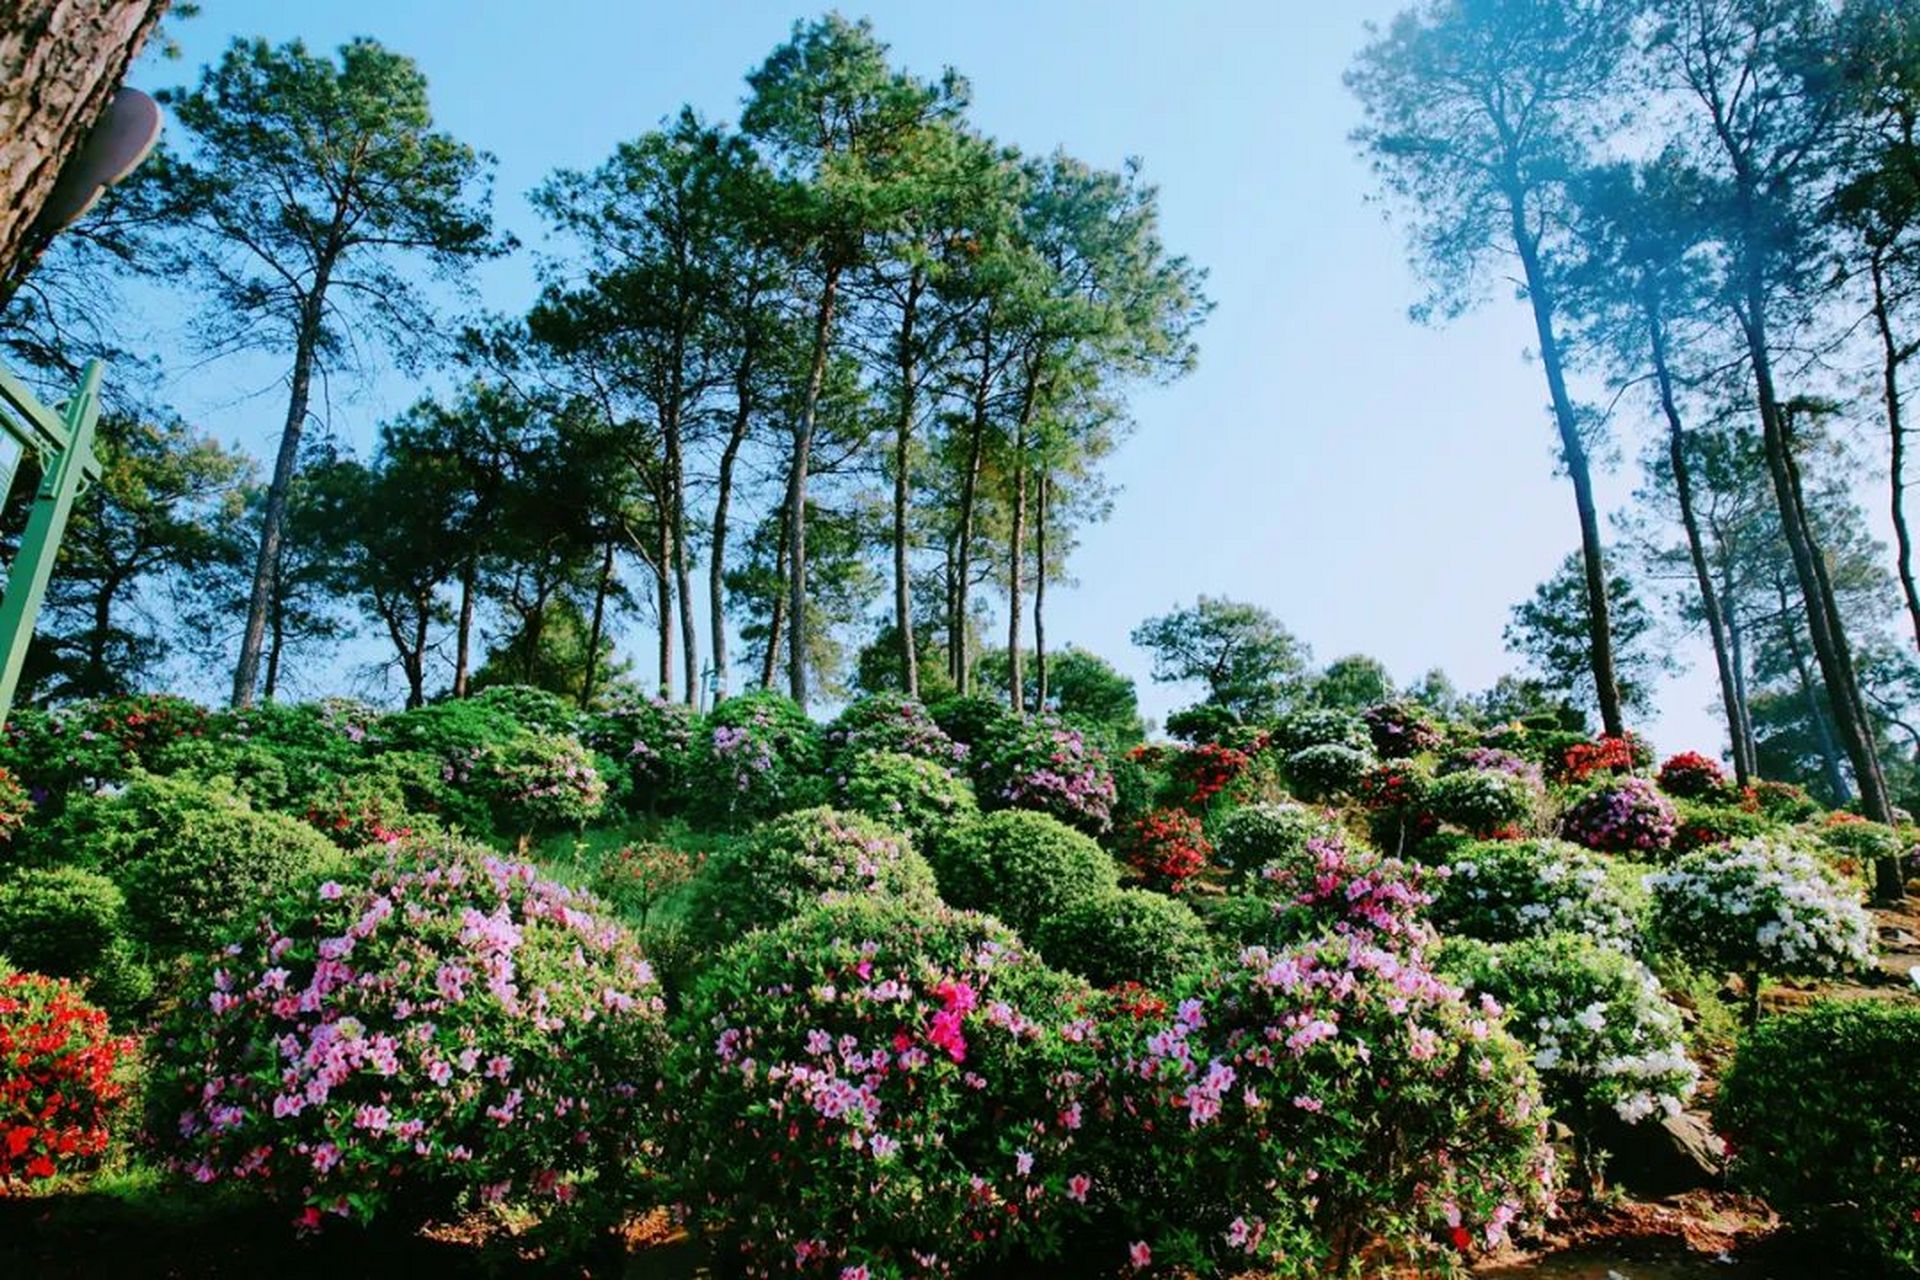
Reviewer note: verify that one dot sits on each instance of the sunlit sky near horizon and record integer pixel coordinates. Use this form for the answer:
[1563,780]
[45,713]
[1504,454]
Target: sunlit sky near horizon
[1380,486]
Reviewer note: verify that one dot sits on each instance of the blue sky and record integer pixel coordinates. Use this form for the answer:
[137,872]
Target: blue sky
[1380,486]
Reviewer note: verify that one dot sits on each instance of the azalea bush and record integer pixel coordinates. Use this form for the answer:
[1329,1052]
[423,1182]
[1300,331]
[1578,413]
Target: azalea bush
[1400,730]
[636,878]
[791,863]
[1702,825]
[1821,1109]
[1394,793]
[67,922]
[1483,802]
[1168,847]
[1331,887]
[1021,867]
[884,1089]
[908,793]
[1510,890]
[1199,773]
[1256,834]
[1043,764]
[1607,754]
[1299,1110]
[1603,1034]
[758,755]
[1626,816]
[1854,844]
[435,1028]
[1783,801]
[1327,770]
[60,1079]
[16,806]
[542,782]
[654,740]
[1492,760]
[893,723]
[1317,727]
[1692,776]
[1761,907]
[1131,935]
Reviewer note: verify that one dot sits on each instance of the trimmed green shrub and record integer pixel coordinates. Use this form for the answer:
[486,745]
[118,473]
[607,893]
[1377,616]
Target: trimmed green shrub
[791,863]
[191,858]
[435,1028]
[906,793]
[1702,825]
[968,720]
[757,755]
[1044,764]
[1314,727]
[1327,770]
[1133,935]
[1821,1109]
[541,782]
[1251,836]
[535,710]
[1022,867]
[67,922]
[653,739]
[1482,801]
[871,1087]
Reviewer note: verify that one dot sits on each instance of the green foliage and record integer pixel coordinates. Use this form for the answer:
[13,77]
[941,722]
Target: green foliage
[1702,825]
[758,755]
[1133,935]
[1250,664]
[794,862]
[782,1134]
[66,922]
[888,722]
[1253,835]
[463,1032]
[539,782]
[1553,632]
[1327,770]
[968,720]
[1822,1114]
[1022,867]
[1482,801]
[191,858]
[906,793]
[655,739]
[1319,727]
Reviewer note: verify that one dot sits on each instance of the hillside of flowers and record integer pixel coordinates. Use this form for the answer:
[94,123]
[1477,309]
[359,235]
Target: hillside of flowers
[928,990]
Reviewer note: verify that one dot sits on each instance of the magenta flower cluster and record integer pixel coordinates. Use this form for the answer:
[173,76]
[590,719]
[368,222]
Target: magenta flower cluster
[1626,815]
[1042,764]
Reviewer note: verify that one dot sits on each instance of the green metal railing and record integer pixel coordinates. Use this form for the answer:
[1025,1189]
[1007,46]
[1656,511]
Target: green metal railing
[63,441]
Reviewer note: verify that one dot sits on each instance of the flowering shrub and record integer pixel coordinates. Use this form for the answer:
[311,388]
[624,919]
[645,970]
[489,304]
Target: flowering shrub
[655,739]
[1493,760]
[1314,1105]
[1702,825]
[1204,722]
[1482,801]
[1257,834]
[1761,907]
[1168,847]
[1329,769]
[793,862]
[1314,727]
[535,710]
[1509,890]
[363,809]
[65,922]
[1603,1035]
[1628,815]
[1608,753]
[1855,844]
[1394,794]
[1329,887]
[968,720]
[894,723]
[542,782]
[1399,731]
[1202,772]
[1132,935]
[436,1027]
[1822,1112]
[919,797]
[1021,867]
[16,806]
[760,756]
[1692,776]
[637,877]
[883,1090]
[58,1091]
[1782,801]
[1042,764]
[190,858]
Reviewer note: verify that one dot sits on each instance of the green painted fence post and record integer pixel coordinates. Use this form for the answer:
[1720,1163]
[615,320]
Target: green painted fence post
[40,544]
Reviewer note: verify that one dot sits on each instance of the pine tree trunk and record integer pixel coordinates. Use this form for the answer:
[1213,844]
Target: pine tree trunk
[777,620]
[957,656]
[663,597]
[902,460]
[1810,692]
[1891,359]
[1016,551]
[274,518]
[463,640]
[1696,549]
[603,585]
[683,572]
[1573,451]
[1040,590]
[61,62]
[797,493]
[722,501]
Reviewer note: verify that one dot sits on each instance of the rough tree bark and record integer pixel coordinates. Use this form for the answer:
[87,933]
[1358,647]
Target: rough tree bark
[902,459]
[61,62]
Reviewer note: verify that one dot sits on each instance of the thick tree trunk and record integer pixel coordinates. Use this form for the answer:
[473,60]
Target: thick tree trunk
[722,500]
[778,617]
[797,493]
[902,460]
[603,584]
[463,639]
[61,61]
[415,662]
[1830,762]
[1696,549]
[277,643]
[1573,451]
[1040,590]
[1891,358]
[273,519]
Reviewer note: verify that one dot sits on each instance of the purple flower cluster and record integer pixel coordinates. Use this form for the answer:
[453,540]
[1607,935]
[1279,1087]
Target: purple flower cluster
[1493,760]
[1628,815]
[1044,765]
